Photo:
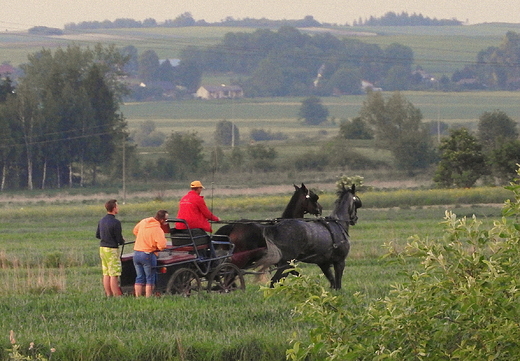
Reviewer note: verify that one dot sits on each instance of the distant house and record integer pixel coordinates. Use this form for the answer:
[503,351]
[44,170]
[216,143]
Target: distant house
[365,85]
[219,92]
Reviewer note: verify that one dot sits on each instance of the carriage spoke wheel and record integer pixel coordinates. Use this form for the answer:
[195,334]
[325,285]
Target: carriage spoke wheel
[185,282]
[226,278]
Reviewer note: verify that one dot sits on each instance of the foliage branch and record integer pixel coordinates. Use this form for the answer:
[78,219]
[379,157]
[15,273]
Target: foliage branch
[460,302]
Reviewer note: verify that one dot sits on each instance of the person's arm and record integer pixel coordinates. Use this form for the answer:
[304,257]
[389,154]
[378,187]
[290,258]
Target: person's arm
[118,233]
[160,239]
[98,233]
[206,212]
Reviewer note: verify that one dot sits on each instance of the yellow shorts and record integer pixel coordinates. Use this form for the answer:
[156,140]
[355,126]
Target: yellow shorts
[110,261]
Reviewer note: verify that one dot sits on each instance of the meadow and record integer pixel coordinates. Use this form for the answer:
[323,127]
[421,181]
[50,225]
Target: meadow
[52,294]
[49,265]
[280,114]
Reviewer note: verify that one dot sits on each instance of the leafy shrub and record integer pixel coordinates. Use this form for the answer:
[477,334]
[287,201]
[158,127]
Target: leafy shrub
[261,134]
[315,161]
[461,303]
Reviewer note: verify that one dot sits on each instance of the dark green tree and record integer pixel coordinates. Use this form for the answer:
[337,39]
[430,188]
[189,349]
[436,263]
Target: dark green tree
[227,133]
[166,71]
[261,158]
[237,158]
[312,111]
[356,128]
[188,75]
[65,110]
[495,128]
[6,88]
[397,78]
[345,81]
[399,55]
[148,66]
[185,153]
[148,136]
[504,159]
[397,126]
[131,53]
[462,161]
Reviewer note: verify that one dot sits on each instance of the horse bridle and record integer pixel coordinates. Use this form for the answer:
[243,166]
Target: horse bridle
[308,199]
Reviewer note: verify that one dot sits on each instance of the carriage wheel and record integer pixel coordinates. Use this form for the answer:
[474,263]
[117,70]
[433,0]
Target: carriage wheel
[226,278]
[185,282]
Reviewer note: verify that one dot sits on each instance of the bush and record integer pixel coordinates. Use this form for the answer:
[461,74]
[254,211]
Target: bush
[462,302]
[260,134]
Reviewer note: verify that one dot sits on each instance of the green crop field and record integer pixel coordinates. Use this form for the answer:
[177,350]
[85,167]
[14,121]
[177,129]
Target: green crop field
[52,294]
[442,48]
[280,114]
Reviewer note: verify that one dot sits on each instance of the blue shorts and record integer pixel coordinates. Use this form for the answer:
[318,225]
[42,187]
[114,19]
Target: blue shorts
[144,264]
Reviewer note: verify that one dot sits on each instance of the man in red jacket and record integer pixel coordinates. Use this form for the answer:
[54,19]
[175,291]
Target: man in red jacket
[193,209]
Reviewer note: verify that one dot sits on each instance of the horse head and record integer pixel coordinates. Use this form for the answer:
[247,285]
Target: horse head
[309,200]
[347,205]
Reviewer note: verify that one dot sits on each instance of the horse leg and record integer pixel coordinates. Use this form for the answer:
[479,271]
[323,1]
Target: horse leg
[325,268]
[339,267]
[280,273]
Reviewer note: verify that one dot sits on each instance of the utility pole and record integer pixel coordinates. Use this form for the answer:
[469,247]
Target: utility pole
[124,170]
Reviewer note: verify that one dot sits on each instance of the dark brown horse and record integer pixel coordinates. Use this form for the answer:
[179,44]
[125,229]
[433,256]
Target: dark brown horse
[324,242]
[247,236]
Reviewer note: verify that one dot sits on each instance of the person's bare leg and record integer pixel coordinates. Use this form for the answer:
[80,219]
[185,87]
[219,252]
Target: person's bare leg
[138,290]
[114,286]
[106,286]
[149,290]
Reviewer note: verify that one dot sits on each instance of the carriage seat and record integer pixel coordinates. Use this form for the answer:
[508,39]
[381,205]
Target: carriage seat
[188,236]
[181,237]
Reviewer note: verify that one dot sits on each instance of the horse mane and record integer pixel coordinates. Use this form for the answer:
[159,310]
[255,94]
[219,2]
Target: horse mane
[291,203]
[341,197]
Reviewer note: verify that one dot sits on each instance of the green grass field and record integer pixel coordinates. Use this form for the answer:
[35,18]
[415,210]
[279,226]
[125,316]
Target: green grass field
[280,114]
[52,295]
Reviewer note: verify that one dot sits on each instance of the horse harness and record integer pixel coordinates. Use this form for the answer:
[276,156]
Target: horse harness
[327,224]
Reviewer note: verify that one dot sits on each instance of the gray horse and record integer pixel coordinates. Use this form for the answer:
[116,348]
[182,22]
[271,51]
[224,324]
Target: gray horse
[324,242]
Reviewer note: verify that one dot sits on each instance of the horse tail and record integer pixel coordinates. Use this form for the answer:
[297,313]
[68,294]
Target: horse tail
[272,255]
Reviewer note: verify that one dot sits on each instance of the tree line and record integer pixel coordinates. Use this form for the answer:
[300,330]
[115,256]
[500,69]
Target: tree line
[61,126]
[460,160]
[61,123]
[186,20]
[287,62]
[404,19]
[393,124]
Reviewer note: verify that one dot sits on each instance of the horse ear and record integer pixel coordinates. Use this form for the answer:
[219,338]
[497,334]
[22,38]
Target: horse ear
[303,187]
[353,188]
[295,187]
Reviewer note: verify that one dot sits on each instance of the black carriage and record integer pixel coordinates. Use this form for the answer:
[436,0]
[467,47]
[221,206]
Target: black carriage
[193,261]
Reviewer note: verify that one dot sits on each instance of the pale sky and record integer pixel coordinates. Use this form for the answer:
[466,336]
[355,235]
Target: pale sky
[23,14]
